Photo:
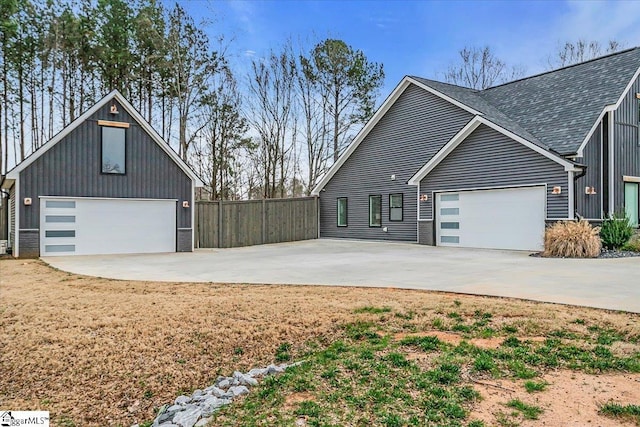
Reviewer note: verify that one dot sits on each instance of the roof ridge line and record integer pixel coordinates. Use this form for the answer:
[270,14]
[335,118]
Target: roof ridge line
[563,68]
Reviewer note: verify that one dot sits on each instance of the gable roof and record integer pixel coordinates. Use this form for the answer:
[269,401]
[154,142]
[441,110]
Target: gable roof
[14,173]
[557,111]
[470,127]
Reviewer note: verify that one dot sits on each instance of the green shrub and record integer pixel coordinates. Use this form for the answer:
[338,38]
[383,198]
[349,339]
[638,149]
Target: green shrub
[616,231]
[633,244]
[571,239]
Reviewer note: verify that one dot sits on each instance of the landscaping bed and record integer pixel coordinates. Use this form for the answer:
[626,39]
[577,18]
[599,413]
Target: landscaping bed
[98,352]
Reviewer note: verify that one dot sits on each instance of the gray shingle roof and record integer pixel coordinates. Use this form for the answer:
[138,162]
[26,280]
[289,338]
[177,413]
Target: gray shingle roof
[555,110]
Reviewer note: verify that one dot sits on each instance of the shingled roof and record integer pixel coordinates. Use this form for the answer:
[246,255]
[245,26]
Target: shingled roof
[554,110]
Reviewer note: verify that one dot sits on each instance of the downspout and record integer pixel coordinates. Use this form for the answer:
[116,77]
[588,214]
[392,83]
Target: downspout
[575,190]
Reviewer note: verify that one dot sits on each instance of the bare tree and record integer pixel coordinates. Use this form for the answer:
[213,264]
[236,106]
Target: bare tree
[223,137]
[574,52]
[271,86]
[479,68]
[313,99]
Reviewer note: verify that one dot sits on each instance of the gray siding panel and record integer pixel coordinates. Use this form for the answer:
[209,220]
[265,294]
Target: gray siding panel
[626,143]
[426,235]
[488,159]
[184,240]
[404,139]
[29,243]
[72,168]
[591,206]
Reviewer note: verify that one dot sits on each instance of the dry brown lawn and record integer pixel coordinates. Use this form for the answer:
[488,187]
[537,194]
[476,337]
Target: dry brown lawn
[100,352]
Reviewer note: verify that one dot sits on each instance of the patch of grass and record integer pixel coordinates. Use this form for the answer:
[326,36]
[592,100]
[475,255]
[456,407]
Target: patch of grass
[428,343]
[579,321]
[409,315]
[476,423]
[372,310]
[529,412]
[484,362]
[438,323]
[454,315]
[621,412]
[510,329]
[282,352]
[535,386]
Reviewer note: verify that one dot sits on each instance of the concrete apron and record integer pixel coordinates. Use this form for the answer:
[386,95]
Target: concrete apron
[602,283]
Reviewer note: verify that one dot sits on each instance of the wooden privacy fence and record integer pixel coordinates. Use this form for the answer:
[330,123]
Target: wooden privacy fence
[229,224]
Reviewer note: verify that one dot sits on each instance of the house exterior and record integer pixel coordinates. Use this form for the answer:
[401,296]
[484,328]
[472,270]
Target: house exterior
[440,164]
[105,184]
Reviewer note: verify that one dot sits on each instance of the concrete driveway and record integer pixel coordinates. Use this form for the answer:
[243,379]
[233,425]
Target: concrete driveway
[603,283]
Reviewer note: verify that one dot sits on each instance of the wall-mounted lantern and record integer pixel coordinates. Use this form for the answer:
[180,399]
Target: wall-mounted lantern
[185,204]
[590,191]
[27,201]
[114,109]
[424,197]
[557,190]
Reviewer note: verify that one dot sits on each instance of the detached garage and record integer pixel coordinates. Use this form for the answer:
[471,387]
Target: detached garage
[106,184]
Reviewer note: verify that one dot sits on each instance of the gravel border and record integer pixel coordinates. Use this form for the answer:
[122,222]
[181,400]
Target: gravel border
[604,254]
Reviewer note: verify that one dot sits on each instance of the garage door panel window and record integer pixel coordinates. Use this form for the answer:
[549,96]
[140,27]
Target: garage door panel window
[113,150]
[396,207]
[60,248]
[62,204]
[60,218]
[450,225]
[450,211]
[449,197]
[60,233]
[449,239]
[342,213]
[375,211]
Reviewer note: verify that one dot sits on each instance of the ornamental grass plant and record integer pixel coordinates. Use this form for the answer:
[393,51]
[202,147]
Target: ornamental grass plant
[572,239]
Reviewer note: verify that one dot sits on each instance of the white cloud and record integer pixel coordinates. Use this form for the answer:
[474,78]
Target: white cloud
[601,21]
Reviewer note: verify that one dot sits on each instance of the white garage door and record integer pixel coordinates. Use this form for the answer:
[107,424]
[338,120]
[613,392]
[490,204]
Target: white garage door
[83,226]
[499,219]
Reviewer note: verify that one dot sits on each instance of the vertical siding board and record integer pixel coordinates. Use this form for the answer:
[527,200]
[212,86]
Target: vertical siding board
[626,143]
[489,159]
[404,139]
[590,206]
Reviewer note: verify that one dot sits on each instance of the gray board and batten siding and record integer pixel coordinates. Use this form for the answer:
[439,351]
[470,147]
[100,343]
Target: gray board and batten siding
[412,131]
[626,143]
[589,206]
[72,168]
[488,159]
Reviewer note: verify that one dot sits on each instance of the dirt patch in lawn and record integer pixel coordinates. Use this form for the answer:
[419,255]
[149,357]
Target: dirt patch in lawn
[98,352]
[571,399]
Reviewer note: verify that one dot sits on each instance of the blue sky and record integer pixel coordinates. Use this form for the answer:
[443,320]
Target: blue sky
[418,37]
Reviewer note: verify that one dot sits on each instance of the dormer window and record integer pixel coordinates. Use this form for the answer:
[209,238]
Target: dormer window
[113,147]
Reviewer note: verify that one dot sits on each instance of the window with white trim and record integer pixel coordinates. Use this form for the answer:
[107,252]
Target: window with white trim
[342,211]
[395,207]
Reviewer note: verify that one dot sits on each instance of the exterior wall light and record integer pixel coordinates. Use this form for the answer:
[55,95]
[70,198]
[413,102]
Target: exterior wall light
[424,197]
[114,109]
[590,191]
[393,177]
[185,204]
[556,190]
[27,201]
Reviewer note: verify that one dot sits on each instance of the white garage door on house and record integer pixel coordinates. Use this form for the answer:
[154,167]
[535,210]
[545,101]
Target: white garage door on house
[512,218]
[88,226]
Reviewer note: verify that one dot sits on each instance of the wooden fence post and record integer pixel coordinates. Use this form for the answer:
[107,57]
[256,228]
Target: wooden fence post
[220,224]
